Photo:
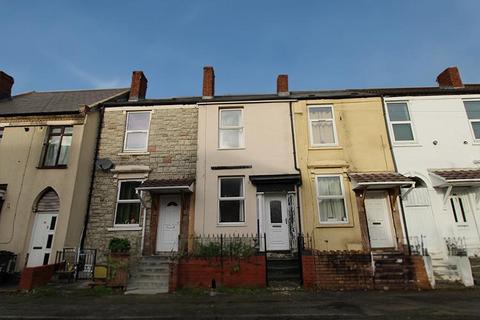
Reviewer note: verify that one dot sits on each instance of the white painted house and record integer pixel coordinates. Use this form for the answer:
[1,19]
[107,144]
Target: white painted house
[435,138]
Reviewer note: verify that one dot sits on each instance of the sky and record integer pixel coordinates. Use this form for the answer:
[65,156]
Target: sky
[60,45]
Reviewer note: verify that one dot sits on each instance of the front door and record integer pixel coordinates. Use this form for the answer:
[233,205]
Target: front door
[276,222]
[462,214]
[43,232]
[378,220]
[169,223]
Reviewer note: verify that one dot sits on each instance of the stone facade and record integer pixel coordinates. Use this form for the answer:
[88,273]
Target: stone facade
[172,154]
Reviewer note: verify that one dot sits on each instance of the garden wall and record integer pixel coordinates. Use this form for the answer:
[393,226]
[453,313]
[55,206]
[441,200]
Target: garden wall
[192,272]
[37,276]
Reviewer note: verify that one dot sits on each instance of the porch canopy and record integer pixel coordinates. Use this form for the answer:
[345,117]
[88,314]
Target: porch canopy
[455,177]
[167,185]
[276,182]
[3,190]
[379,180]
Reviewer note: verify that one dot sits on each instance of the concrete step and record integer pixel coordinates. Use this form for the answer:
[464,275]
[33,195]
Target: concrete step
[150,276]
[147,291]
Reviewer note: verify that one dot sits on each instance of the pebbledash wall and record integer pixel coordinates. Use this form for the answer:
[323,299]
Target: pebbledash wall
[171,154]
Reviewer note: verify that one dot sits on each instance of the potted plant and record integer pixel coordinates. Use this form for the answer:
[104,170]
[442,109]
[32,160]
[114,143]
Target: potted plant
[118,262]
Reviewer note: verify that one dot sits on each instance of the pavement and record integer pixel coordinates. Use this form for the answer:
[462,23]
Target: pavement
[261,304]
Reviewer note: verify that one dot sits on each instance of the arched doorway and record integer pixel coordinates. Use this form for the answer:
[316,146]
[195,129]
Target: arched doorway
[43,231]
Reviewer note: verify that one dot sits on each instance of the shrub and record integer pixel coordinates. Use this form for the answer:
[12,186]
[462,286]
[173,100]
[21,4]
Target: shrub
[119,245]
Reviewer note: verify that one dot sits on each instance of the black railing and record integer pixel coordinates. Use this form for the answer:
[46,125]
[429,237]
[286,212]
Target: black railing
[456,246]
[79,263]
[221,245]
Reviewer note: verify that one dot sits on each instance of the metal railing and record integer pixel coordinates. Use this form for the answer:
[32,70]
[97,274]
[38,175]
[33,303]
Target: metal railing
[80,263]
[219,245]
[456,246]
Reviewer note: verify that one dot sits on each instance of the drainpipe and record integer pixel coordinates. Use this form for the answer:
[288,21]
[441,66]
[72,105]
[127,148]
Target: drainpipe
[92,177]
[295,166]
[402,207]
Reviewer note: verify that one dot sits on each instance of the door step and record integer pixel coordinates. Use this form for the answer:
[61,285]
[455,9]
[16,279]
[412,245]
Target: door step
[150,276]
[283,270]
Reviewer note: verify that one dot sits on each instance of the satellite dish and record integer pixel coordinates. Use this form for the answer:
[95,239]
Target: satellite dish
[104,164]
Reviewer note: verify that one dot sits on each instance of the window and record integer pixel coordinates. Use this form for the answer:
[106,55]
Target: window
[322,126]
[231,200]
[331,199]
[231,132]
[128,203]
[57,147]
[136,132]
[473,114]
[400,122]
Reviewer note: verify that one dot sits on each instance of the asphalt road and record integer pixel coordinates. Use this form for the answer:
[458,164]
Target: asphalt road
[439,304]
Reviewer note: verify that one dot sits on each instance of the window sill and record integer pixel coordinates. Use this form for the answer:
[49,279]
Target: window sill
[407,144]
[134,153]
[125,228]
[221,149]
[335,225]
[55,167]
[325,148]
[233,224]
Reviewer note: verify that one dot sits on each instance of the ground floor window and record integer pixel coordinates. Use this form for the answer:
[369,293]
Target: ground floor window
[128,203]
[331,199]
[231,200]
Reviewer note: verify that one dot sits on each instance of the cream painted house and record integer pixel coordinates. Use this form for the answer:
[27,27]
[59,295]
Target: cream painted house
[246,181]
[47,150]
[350,188]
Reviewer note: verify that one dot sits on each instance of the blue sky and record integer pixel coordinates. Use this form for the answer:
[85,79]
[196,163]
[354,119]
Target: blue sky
[56,45]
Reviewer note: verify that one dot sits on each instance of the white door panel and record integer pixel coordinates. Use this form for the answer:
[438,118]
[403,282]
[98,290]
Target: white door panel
[378,219]
[43,232]
[276,222]
[169,223]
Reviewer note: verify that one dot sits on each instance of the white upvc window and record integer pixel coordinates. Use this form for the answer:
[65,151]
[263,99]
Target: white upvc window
[321,120]
[331,200]
[136,131]
[231,132]
[231,200]
[128,204]
[400,122]
[473,113]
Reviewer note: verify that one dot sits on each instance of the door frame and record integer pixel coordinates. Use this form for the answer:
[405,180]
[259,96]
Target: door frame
[390,218]
[32,236]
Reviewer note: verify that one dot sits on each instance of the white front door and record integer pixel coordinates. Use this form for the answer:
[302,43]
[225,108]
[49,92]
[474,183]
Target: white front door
[276,222]
[462,214]
[378,220]
[168,223]
[41,243]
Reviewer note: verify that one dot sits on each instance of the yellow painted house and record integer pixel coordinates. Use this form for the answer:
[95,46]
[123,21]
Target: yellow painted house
[349,196]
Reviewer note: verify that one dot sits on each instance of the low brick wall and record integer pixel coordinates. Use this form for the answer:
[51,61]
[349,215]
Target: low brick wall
[337,271]
[353,271]
[37,276]
[225,272]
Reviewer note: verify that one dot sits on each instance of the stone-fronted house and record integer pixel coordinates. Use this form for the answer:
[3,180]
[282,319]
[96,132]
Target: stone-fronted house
[47,147]
[145,174]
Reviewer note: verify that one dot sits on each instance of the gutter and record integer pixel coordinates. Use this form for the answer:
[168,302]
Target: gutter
[395,166]
[295,165]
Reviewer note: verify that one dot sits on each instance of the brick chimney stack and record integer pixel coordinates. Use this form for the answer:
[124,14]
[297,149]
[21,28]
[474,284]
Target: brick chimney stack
[282,85]
[6,84]
[450,78]
[138,88]
[208,91]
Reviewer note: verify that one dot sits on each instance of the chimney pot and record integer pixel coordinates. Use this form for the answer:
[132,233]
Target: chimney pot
[208,91]
[6,84]
[282,85]
[138,88]
[450,78]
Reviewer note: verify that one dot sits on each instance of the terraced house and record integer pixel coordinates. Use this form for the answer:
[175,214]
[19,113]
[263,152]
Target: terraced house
[47,147]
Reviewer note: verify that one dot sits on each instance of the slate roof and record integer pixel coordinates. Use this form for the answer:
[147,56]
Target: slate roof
[55,102]
[457,174]
[366,177]
[155,183]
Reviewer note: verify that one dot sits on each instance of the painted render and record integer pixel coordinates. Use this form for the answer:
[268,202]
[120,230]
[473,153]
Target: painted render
[362,147]
[443,140]
[268,150]
[20,153]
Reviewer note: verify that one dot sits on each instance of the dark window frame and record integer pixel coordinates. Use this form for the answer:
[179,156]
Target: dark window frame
[45,146]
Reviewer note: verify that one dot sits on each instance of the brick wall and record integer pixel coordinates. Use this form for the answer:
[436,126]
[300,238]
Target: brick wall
[227,272]
[172,154]
[37,276]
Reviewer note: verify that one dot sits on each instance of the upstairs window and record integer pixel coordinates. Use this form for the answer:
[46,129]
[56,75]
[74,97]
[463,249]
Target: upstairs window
[136,131]
[322,126]
[400,122]
[231,200]
[57,146]
[331,199]
[230,129]
[473,113]
[128,203]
